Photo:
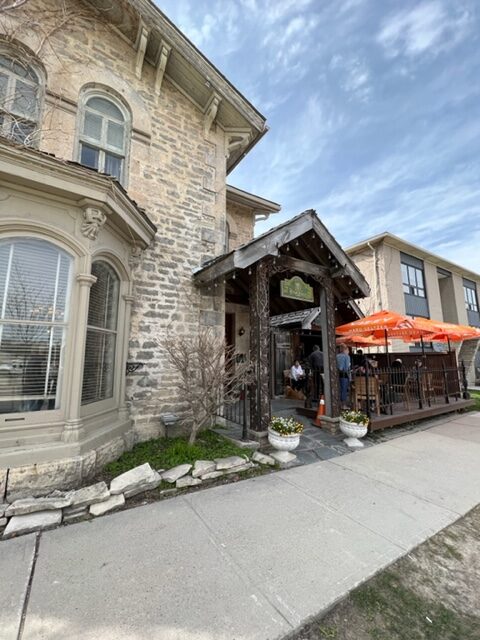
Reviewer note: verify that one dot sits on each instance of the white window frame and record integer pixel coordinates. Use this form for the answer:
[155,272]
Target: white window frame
[10,117]
[471,298]
[101,146]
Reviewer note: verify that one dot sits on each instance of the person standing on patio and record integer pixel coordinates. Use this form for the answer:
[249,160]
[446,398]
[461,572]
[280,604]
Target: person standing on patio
[315,360]
[343,366]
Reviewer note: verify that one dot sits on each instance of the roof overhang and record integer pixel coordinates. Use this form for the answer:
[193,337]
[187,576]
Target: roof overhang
[392,240]
[261,207]
[307,244]
[162,45]
[20,165]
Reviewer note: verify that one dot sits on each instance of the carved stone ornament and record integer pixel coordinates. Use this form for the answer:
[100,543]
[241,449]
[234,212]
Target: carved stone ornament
[211,112]
[93,221]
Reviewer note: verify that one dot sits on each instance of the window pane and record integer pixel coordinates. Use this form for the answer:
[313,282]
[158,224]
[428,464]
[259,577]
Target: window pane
[18,68]
[92,126]
[113,165]
[25,100]
[404,274]
[98,375]
[103,305]
[420,278]
[31,361]
[107,108]
[3,89]
[34,277]
[23,131]
[115,135]
[89,156]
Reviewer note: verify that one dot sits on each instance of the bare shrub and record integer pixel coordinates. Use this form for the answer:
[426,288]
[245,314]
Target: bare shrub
[209,376]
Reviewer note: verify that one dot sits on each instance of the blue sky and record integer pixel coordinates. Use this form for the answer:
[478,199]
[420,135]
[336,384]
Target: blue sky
[373,108]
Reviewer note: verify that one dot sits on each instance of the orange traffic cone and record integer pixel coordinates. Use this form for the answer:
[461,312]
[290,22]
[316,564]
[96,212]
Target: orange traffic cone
[321,412]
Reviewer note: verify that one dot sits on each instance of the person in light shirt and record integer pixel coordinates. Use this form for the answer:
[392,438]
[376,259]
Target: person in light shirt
[297,376]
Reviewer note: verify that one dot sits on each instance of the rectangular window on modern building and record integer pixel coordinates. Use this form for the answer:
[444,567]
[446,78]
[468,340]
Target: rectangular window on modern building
[413,282]
[471,302]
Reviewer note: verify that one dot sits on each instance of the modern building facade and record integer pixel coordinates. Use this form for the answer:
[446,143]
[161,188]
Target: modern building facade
[413,281]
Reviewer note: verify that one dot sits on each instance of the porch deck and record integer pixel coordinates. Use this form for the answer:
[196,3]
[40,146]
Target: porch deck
[402,416]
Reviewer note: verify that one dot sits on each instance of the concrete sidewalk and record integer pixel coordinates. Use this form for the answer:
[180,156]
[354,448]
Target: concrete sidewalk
[244,561]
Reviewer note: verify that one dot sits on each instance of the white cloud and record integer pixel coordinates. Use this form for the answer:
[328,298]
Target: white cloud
[427,27]
[353,75]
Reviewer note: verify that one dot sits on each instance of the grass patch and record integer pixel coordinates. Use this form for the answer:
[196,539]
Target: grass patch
[475,395]
[164,453]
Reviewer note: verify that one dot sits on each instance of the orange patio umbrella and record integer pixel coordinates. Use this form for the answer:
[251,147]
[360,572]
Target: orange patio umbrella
[361,341]
[377,324]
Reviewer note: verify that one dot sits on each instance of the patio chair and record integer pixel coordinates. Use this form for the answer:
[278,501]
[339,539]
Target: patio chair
[360,393]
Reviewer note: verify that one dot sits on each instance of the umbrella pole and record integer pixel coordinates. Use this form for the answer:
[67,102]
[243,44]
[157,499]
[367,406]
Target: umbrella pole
[423,347]
[449,347]
[386,348]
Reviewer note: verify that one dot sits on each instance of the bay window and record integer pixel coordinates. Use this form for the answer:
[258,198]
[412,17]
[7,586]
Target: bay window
[34,294]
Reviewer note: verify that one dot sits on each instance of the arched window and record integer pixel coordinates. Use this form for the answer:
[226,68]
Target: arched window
[103,136]
[34,292]
[100,349]
[19,98]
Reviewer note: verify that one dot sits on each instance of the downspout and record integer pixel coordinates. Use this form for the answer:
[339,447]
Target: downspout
[377,289]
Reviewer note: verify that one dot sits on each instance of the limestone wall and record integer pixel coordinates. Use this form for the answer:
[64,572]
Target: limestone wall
[241,222]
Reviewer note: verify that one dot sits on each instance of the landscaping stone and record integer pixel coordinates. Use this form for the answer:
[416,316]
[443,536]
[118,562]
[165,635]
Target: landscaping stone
[242,467]
[3,508]
[113,502]
[71,511]
[262,458]
[148,486]
[76,516]
[212,475]
[172,475]
[3,522]
[228,463]
[89,495]
[32,505]
[202,467]
[32,522]
[187,481]
[136,478]
[168,492]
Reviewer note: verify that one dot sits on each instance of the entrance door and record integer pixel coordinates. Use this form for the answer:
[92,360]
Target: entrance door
[281,359]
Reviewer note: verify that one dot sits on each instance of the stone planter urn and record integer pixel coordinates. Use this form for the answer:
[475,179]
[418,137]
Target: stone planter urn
[283,445]
[353,431]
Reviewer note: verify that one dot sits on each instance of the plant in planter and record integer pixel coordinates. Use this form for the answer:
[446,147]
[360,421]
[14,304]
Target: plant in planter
[354,424]
[284,436]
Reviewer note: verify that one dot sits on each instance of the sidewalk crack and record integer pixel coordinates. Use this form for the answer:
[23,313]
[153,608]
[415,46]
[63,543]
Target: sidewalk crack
[29,586]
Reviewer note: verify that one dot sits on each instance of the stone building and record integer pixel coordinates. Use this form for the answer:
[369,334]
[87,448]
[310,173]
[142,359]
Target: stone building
[117,139]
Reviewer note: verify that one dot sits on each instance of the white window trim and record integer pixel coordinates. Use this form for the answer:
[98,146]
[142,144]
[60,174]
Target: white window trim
[104,92]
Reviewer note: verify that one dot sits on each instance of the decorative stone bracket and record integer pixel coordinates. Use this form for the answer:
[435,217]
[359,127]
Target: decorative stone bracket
[141,46]
[211,112]
[237,140]
[94,219]
[164,54]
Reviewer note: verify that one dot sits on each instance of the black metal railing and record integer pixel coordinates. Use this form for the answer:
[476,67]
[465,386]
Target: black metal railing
[395,389]
[235,409]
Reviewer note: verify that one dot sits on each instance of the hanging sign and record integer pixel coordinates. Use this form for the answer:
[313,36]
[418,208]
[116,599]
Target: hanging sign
[296,289]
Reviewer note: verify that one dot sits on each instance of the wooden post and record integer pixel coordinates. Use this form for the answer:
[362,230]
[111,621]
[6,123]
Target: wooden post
[260,346]
[327,322]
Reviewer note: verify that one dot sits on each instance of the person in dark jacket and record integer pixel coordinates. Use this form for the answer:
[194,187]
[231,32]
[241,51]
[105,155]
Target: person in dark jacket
[315,360]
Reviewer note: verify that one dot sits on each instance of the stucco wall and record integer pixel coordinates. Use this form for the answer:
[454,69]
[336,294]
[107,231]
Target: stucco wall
[175,173]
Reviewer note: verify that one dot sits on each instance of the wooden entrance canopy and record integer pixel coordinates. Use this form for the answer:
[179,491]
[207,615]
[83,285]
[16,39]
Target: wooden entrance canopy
[252,274]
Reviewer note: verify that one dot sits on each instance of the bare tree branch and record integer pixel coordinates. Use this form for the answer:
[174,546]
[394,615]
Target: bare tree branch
[10,5]
[209,376]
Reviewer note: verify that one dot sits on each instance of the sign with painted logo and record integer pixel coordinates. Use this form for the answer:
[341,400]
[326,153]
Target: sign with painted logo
[296,289]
